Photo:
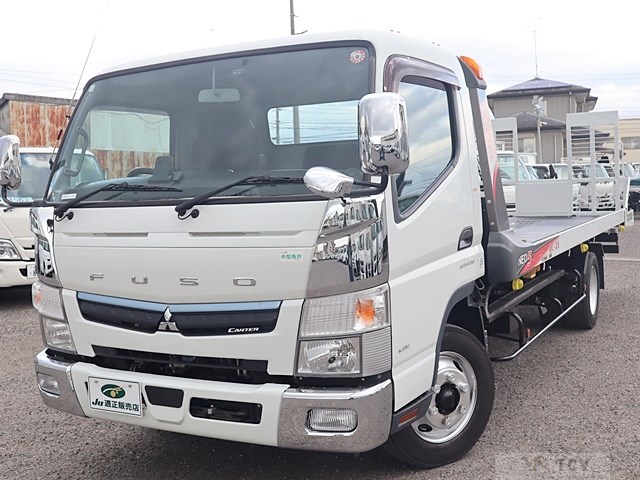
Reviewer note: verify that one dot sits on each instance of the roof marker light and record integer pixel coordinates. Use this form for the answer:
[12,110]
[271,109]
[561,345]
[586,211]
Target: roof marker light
[474,66]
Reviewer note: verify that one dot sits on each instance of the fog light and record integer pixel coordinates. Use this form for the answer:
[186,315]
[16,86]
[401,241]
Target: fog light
[332,420]
[48,384]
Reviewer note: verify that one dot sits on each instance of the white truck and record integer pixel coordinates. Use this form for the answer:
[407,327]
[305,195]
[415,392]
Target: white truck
[17,250]
[291,248]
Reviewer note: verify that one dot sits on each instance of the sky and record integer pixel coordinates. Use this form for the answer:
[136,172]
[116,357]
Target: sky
[48,44]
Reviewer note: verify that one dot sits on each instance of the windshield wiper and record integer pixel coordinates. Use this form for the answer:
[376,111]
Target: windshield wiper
[110,187]
[187,205]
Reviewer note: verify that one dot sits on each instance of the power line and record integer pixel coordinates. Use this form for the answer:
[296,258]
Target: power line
[34,80]
[8,70]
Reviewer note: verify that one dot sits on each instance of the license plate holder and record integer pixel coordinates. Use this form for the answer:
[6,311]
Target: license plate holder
[31,271]
[115,396]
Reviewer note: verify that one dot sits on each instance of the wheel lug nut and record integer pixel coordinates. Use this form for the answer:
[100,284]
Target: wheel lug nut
[435,389]
[463,387]
[433,411]
[446,421]
[450,377]
[462,409]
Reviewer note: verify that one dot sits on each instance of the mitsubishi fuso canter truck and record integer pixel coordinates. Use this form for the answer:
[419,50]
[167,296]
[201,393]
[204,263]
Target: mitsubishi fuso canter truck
[299,243]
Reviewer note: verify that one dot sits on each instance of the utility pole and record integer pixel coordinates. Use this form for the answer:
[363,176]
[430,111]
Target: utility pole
[292,18]
[538,106]
[296,112]
[535,43]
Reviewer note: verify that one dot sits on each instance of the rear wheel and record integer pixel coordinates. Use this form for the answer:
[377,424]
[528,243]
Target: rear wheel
[460,405]
[585,315]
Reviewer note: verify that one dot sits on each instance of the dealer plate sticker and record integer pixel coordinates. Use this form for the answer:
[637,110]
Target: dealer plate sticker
[115,396]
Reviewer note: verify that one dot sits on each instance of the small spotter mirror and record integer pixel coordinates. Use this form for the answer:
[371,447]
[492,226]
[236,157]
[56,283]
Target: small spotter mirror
[328,182]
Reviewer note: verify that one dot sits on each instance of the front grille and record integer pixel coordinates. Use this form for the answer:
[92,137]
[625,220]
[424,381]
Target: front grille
[188,320]
[203,368]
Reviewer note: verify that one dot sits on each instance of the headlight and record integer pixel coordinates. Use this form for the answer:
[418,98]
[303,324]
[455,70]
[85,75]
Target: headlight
[335,356]
[55,328]
[345,335]
[35,227]
[8,251]
[57,334]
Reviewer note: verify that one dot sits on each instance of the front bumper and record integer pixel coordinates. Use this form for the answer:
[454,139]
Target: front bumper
[14,273]
[284,409]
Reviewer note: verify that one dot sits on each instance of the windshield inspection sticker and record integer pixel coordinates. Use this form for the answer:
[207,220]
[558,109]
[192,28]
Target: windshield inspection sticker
[291,256]
[67,196]
[358,56]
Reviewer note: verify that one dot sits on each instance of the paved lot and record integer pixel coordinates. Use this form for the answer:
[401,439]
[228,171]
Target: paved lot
[567,408]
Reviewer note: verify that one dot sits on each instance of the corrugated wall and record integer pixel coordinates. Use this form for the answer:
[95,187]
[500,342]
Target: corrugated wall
[37,124]
[117,164]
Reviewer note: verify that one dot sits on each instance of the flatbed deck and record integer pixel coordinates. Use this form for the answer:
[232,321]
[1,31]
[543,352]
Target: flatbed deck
[533,240]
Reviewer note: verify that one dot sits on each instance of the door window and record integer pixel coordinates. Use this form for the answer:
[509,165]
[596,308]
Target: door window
[430,138]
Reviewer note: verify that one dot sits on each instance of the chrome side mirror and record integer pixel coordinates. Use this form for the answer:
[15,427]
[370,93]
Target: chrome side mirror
[10,175]
[327,182]
[383,133]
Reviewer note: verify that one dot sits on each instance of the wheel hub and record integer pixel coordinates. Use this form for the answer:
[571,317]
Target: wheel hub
[453,400]
[448,398]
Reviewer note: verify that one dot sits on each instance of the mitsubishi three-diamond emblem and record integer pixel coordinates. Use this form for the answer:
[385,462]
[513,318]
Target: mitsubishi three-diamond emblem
[167,325]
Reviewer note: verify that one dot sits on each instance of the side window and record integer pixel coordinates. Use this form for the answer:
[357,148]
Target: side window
[430,137]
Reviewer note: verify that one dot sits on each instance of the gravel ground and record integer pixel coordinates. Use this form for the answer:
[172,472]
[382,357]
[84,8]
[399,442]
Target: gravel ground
[566,408]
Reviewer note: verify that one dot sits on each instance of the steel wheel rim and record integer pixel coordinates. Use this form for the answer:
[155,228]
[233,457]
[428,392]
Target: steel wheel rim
[593,290]
[454,371]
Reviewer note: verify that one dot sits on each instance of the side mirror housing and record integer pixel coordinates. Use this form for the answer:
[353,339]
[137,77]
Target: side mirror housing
[10,174]
[383,133]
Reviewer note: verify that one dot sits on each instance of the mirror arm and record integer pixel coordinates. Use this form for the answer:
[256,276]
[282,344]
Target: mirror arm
[11,203]
[380,187]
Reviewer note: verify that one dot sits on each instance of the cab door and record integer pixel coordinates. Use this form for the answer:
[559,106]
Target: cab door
[435,225]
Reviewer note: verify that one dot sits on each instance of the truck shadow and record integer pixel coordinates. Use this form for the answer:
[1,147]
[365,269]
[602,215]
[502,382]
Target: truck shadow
[172,455]
[15,296]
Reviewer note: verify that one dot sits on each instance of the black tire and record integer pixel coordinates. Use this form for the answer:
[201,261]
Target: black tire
[416,444]
[584,316]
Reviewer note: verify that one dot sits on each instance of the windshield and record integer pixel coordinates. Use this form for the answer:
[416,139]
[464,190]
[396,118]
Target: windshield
[35,174]
[629,171]
[205,124]
[599,170]
[560,171]
[507,169]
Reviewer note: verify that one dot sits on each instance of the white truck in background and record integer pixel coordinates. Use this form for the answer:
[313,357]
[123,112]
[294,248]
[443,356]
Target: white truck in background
[291,248]
[17,251]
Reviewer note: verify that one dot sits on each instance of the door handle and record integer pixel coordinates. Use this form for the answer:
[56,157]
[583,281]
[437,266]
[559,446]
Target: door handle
[466,238]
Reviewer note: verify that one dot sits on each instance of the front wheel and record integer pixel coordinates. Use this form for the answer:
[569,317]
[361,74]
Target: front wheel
[460,406]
